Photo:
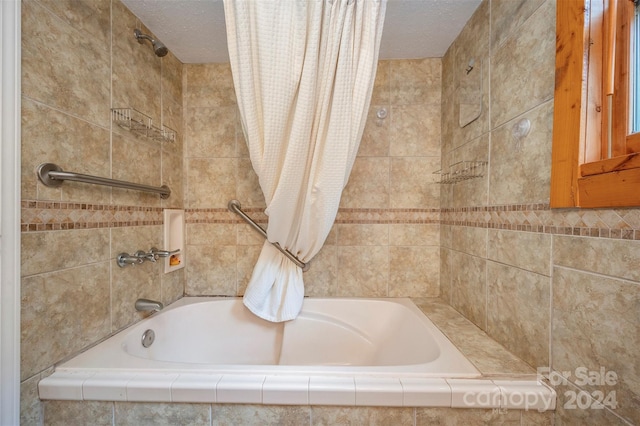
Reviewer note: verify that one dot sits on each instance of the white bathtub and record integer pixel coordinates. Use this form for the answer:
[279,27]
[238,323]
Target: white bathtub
[337,352]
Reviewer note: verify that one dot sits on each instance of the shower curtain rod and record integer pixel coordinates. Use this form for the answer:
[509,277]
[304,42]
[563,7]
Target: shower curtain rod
[52,175]
[235,207]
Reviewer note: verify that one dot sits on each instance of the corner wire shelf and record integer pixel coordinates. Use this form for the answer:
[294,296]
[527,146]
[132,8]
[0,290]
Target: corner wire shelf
[460,171]
[141,124]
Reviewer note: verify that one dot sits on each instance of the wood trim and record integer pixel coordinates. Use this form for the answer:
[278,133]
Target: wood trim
[616,164]
[568,102]
[633,143]
[615,189]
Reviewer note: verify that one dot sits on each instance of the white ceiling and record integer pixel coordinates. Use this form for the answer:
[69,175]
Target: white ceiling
[194,30]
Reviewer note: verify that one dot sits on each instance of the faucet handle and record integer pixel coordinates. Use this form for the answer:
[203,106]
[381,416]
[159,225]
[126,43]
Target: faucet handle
[125,259]
[145,256]
[162,253]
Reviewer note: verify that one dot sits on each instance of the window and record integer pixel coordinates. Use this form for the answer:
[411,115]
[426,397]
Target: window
[596,137]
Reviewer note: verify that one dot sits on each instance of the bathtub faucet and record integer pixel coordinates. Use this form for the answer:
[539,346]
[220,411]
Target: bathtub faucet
[147,305]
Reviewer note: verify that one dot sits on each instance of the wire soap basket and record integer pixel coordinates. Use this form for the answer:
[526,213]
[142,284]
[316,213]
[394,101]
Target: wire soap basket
[460,171]
[141,124]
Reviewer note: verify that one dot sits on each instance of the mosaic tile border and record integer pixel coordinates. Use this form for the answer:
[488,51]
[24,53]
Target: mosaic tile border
[540,218]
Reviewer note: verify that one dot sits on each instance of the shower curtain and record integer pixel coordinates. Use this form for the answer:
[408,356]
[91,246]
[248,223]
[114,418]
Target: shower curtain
[303,72]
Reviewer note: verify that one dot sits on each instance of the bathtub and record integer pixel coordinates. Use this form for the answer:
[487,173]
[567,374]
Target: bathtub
[337,352]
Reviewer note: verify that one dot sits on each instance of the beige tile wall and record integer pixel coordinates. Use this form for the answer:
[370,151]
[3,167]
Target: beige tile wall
[109,413]
[372,252]
[79,59]
[557,288]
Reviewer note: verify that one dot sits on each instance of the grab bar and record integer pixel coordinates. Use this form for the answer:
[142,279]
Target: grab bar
[52,175]
[235,207]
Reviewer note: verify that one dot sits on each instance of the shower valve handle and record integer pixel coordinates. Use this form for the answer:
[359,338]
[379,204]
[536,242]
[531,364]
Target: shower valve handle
[162,253]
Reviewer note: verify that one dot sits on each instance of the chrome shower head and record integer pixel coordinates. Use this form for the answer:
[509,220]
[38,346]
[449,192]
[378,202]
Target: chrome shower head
[158,47]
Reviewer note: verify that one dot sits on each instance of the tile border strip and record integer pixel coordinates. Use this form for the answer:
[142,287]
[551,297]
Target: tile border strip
[539,218]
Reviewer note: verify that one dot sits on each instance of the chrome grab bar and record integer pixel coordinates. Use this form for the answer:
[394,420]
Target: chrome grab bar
[52,175]
[235,207]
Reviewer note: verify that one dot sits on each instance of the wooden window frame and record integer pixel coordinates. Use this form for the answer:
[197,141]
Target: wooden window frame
[579,175]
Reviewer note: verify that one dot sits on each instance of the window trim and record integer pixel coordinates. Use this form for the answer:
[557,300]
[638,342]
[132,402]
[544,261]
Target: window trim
[612,182]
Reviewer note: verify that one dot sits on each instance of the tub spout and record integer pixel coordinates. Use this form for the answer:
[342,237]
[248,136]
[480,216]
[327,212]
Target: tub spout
[146,305]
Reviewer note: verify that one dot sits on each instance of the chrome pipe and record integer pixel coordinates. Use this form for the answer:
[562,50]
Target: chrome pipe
[235,207]
[52,175]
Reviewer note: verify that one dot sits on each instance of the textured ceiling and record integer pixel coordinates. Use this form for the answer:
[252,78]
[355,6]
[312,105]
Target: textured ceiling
[194,30]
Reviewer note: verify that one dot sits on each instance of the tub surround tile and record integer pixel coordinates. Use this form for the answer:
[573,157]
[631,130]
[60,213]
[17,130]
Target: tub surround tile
[172,177]
[362,234]
[414,234]
[595,325]
[212,234]
[211,270]
[51,136]
[471,44]
[332,391]
[618,258]
[416,81]
[375,416]
[368,185]
[65,387]
[414,271]
[520,65]
[172,70]
[470,192]
[130,61]
[30,404]
[375,137]
[486,394]
[414,130]
[512,396]
[568,412]
[285,390]
[208,86]
[62,312]
[210,132]
[425,392]
[128,285]
[525,250]
[104,387]
[445,275]
[259,415]
[363,271]
[239,389]
[378,391]
[412,182]
[518,312]
[487,355]
[466,416]
[89,246]
[128,414]
[128,154]
[211,182]
[248,186]
[507,16]
[96,413]
[195,388]
[321,279]
[381,84]
[468,287]
[521,167]
[472,241]
[74,83]
[145,388]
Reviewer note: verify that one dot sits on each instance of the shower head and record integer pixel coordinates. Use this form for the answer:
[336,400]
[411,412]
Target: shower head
[158,47]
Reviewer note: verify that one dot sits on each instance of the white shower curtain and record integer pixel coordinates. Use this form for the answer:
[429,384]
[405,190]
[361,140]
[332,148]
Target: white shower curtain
[303,72]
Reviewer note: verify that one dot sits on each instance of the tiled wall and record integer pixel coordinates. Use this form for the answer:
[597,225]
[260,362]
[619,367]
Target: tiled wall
[386,238]
[559,288]
[79,59]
